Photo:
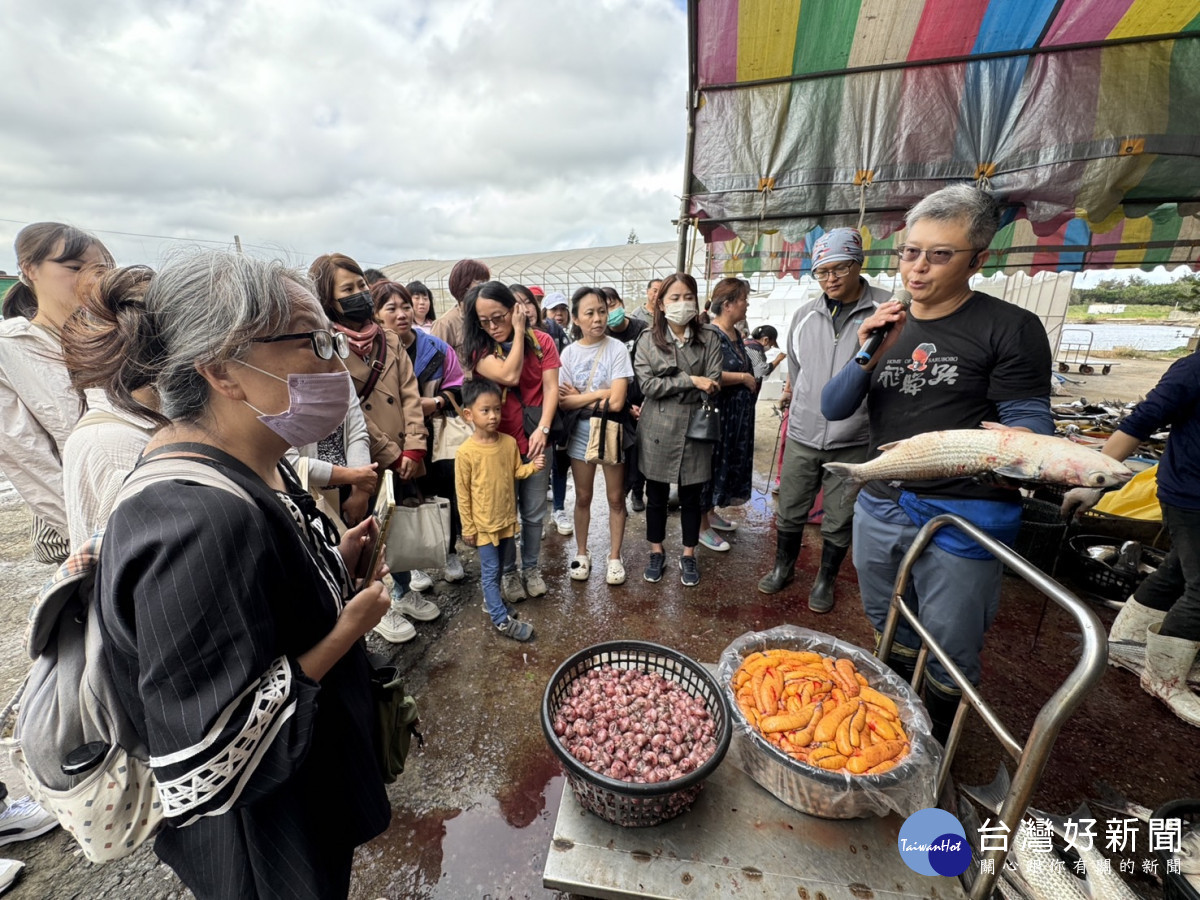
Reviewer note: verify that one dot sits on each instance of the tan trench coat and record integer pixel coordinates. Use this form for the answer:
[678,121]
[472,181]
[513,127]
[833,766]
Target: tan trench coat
[664,453]
[393,408]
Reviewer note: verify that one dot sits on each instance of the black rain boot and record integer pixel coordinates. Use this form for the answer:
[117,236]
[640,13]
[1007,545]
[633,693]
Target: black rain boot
[904,666]
[787,548]
[820,599]
[941,706]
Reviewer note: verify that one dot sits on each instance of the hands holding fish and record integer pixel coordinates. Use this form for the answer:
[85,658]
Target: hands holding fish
[1079,500]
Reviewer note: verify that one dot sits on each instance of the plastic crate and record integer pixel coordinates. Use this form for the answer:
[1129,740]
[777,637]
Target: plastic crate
[1101,578]
[1042,531]
[621,802]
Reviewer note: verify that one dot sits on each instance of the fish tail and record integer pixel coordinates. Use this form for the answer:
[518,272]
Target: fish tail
[991,796]
[847,471]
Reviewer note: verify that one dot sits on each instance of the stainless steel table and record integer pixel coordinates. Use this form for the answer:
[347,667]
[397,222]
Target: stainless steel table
[737,841]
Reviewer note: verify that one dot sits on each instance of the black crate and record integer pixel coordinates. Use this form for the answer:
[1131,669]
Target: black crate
[1099,577]
[1042,531]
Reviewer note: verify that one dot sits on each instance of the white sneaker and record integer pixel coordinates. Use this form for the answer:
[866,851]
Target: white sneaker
[511,588]
[419,581]
[713,541]
[414,606]
[9,870]
[24,819]
[535,585]
[453,572]
[563,521]
[394,628]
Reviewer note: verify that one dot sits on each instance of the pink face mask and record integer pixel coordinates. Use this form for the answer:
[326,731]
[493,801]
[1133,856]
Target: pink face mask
[317,405]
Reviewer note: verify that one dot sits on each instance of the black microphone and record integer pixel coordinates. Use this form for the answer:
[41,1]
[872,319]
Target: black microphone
[876,335]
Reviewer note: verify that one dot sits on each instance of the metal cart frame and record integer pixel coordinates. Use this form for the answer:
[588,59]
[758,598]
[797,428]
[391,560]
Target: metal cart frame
[1031,757]
[1077,352]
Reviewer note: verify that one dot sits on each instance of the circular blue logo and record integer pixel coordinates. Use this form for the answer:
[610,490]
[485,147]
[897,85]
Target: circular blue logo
[933,842]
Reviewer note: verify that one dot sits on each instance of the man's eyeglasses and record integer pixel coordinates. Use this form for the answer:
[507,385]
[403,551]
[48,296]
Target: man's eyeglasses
[839,272]
[495,321]
[324,343]
[935,257]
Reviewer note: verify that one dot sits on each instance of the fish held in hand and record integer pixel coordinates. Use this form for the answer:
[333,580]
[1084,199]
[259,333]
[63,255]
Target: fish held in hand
[1018,455]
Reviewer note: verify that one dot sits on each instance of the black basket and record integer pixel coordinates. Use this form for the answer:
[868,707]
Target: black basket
[1144,531]
[1042,531]
[1177,887]
[625,803]
[1101,578]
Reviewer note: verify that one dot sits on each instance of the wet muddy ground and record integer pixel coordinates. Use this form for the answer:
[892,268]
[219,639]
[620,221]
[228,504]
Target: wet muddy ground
[474,813]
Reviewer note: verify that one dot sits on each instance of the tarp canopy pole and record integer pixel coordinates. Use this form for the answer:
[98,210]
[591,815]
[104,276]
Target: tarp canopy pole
[693,97]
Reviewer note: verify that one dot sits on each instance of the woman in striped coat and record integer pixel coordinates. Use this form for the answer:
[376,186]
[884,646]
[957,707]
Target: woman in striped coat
[231,621]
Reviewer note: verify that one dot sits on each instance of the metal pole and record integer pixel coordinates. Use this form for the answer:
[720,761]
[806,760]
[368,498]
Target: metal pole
[692,98]
[1086,674]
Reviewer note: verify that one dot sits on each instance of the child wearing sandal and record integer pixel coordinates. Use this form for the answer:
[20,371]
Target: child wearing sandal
[595,369]
[486,469]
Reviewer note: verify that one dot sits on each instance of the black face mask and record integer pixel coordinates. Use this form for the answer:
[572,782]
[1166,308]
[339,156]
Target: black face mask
[358,307]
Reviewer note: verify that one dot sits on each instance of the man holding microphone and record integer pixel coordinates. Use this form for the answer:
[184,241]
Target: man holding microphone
[955,359]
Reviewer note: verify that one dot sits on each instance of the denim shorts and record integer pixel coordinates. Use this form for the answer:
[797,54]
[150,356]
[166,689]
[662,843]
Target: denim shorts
[577,446]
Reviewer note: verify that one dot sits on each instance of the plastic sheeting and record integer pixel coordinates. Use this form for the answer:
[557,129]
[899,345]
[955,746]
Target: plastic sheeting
[627,267]
[1083,116]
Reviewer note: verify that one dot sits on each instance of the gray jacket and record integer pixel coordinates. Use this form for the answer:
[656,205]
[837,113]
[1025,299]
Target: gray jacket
[664,453]
[814,356]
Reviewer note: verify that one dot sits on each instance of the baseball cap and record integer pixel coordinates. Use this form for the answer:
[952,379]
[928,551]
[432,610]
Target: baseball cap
[838,245]
[557,298]
[537,291]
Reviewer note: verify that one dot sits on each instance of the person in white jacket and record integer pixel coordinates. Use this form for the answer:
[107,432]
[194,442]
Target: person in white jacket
[38,406]
[38,409]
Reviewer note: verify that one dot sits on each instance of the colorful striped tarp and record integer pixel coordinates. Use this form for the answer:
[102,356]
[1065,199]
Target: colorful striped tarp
[1082,116]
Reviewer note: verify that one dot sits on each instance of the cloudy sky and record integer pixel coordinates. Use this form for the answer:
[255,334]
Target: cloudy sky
[386,129]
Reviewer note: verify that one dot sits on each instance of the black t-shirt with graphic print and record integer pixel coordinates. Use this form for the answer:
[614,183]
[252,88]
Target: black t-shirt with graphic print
[950,373]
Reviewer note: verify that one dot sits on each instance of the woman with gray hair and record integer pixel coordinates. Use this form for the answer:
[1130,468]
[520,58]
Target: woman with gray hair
[228,611]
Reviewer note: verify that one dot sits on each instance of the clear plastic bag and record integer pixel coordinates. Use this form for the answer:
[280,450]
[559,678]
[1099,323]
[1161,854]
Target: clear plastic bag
[910,786]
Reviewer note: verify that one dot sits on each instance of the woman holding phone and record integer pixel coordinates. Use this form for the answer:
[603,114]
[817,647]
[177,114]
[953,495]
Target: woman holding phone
[231,622]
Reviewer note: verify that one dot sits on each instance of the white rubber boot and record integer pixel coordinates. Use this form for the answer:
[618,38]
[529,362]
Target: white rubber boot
[1133,620]
[1168,660]
[1127,637]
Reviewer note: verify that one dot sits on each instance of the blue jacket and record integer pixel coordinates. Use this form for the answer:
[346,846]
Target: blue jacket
[1175,400]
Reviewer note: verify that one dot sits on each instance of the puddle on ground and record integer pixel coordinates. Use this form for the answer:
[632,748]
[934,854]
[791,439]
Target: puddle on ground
[488,849]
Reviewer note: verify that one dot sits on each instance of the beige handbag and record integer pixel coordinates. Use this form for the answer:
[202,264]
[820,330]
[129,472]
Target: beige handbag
[417,535]
[449,433]
[606,441]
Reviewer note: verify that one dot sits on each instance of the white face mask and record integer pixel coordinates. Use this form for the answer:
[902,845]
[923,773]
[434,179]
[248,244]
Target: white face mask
[681,313]
[317,405]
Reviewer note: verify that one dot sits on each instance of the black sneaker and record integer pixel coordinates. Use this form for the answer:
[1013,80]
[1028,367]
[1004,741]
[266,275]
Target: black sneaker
[654,568]
[638,502]
[516,629]
[689,571]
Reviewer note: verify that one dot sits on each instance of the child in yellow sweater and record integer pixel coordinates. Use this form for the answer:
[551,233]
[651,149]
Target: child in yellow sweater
[484,471]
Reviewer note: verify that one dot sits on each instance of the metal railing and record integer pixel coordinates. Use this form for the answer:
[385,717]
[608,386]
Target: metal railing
[1032,756]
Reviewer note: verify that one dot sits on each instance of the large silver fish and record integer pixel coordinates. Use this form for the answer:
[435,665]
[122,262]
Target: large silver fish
[1101,882]
[1012,454]
[1131,656]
